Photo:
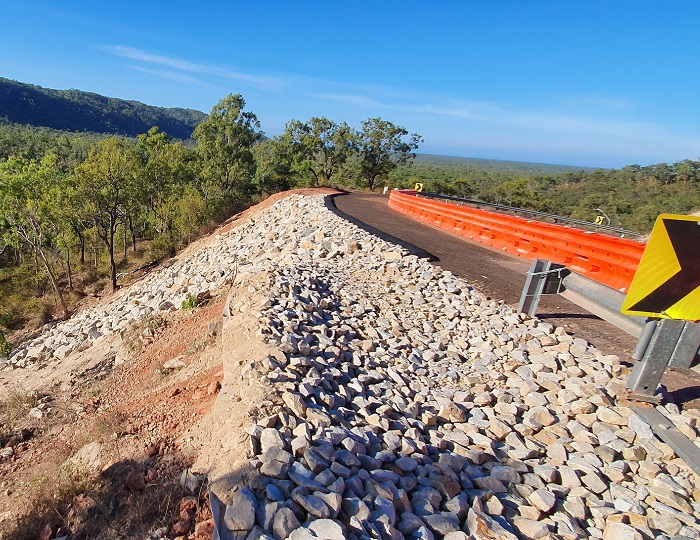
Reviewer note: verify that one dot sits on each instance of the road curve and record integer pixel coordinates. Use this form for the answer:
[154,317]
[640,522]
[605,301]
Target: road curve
[496,274]
[500,277]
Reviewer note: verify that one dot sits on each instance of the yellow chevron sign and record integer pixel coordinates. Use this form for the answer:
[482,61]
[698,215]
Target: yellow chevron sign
[667,281]
[419,187]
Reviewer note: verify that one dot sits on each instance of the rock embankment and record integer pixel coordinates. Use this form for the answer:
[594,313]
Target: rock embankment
[409,405]
[412,407]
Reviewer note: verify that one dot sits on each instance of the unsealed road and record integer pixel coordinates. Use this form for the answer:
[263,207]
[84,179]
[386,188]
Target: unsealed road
[500,277]
[495,274]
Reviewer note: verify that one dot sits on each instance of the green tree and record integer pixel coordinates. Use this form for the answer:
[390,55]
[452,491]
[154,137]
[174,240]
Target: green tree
[273,166]
[26,212]
[382,146]
[168,165]
[190,213]
[521,193]
[107,185]
[319,147]
[224,142]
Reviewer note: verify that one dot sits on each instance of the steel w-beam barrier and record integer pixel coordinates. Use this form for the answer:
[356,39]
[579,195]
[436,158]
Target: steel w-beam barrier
[606,259]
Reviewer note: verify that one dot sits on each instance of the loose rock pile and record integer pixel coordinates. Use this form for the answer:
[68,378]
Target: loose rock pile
[412,407]
[162,291]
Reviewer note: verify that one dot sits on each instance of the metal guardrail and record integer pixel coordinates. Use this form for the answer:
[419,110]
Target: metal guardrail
[534,213]
[606,258]
[546,277]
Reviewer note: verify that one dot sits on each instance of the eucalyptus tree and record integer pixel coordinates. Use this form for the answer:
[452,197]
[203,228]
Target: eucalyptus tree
[320,147]
[382,146]
[168,167]
[273,166]
[27,213]
[107,187]
[224,141]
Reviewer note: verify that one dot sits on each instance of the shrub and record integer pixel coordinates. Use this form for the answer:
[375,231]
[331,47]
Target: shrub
[5,347]
[190,302]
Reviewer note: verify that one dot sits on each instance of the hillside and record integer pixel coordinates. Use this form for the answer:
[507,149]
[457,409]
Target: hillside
[75,110]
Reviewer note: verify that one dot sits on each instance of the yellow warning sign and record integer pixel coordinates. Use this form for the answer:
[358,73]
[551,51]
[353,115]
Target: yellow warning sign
[667,281]
[419,187]
[600,220]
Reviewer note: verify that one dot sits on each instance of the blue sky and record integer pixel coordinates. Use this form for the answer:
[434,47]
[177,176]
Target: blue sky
[597,82]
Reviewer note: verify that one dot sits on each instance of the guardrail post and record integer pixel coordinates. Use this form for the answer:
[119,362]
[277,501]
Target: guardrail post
[644,339]
[534,285]
[687,348]
[646,373]
[544,277]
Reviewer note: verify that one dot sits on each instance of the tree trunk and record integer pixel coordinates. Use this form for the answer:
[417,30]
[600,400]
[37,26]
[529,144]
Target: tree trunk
[371,181]
[81,239]
[54,282]
[36,272]
[112,263]
[68,269]
[82,249]
[133,234]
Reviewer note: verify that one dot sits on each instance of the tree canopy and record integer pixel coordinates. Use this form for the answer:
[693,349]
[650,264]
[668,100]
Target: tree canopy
[26,210]
[224,142]
[107,187]
[320,147]
[382,146]
[74,110]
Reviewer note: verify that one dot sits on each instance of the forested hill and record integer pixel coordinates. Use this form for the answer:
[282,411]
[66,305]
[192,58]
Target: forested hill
[75,110]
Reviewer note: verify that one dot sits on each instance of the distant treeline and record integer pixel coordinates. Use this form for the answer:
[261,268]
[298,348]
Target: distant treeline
[631,197]
[75,110]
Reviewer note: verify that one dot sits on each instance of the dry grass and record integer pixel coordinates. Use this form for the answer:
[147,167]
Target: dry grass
[128,499]
[119,503]
[13,411]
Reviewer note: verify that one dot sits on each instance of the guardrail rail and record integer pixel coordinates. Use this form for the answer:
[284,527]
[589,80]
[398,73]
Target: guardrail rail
[606,259]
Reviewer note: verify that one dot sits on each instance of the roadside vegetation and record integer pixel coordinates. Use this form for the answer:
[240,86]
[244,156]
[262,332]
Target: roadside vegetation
[82,212]
[631,197]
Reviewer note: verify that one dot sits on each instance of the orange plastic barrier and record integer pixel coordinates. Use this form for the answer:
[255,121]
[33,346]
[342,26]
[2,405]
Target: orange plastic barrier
[606,259]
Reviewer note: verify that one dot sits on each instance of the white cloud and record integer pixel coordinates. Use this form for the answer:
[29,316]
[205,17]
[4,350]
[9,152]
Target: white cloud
[267,82]
[353,99]
[172,75]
